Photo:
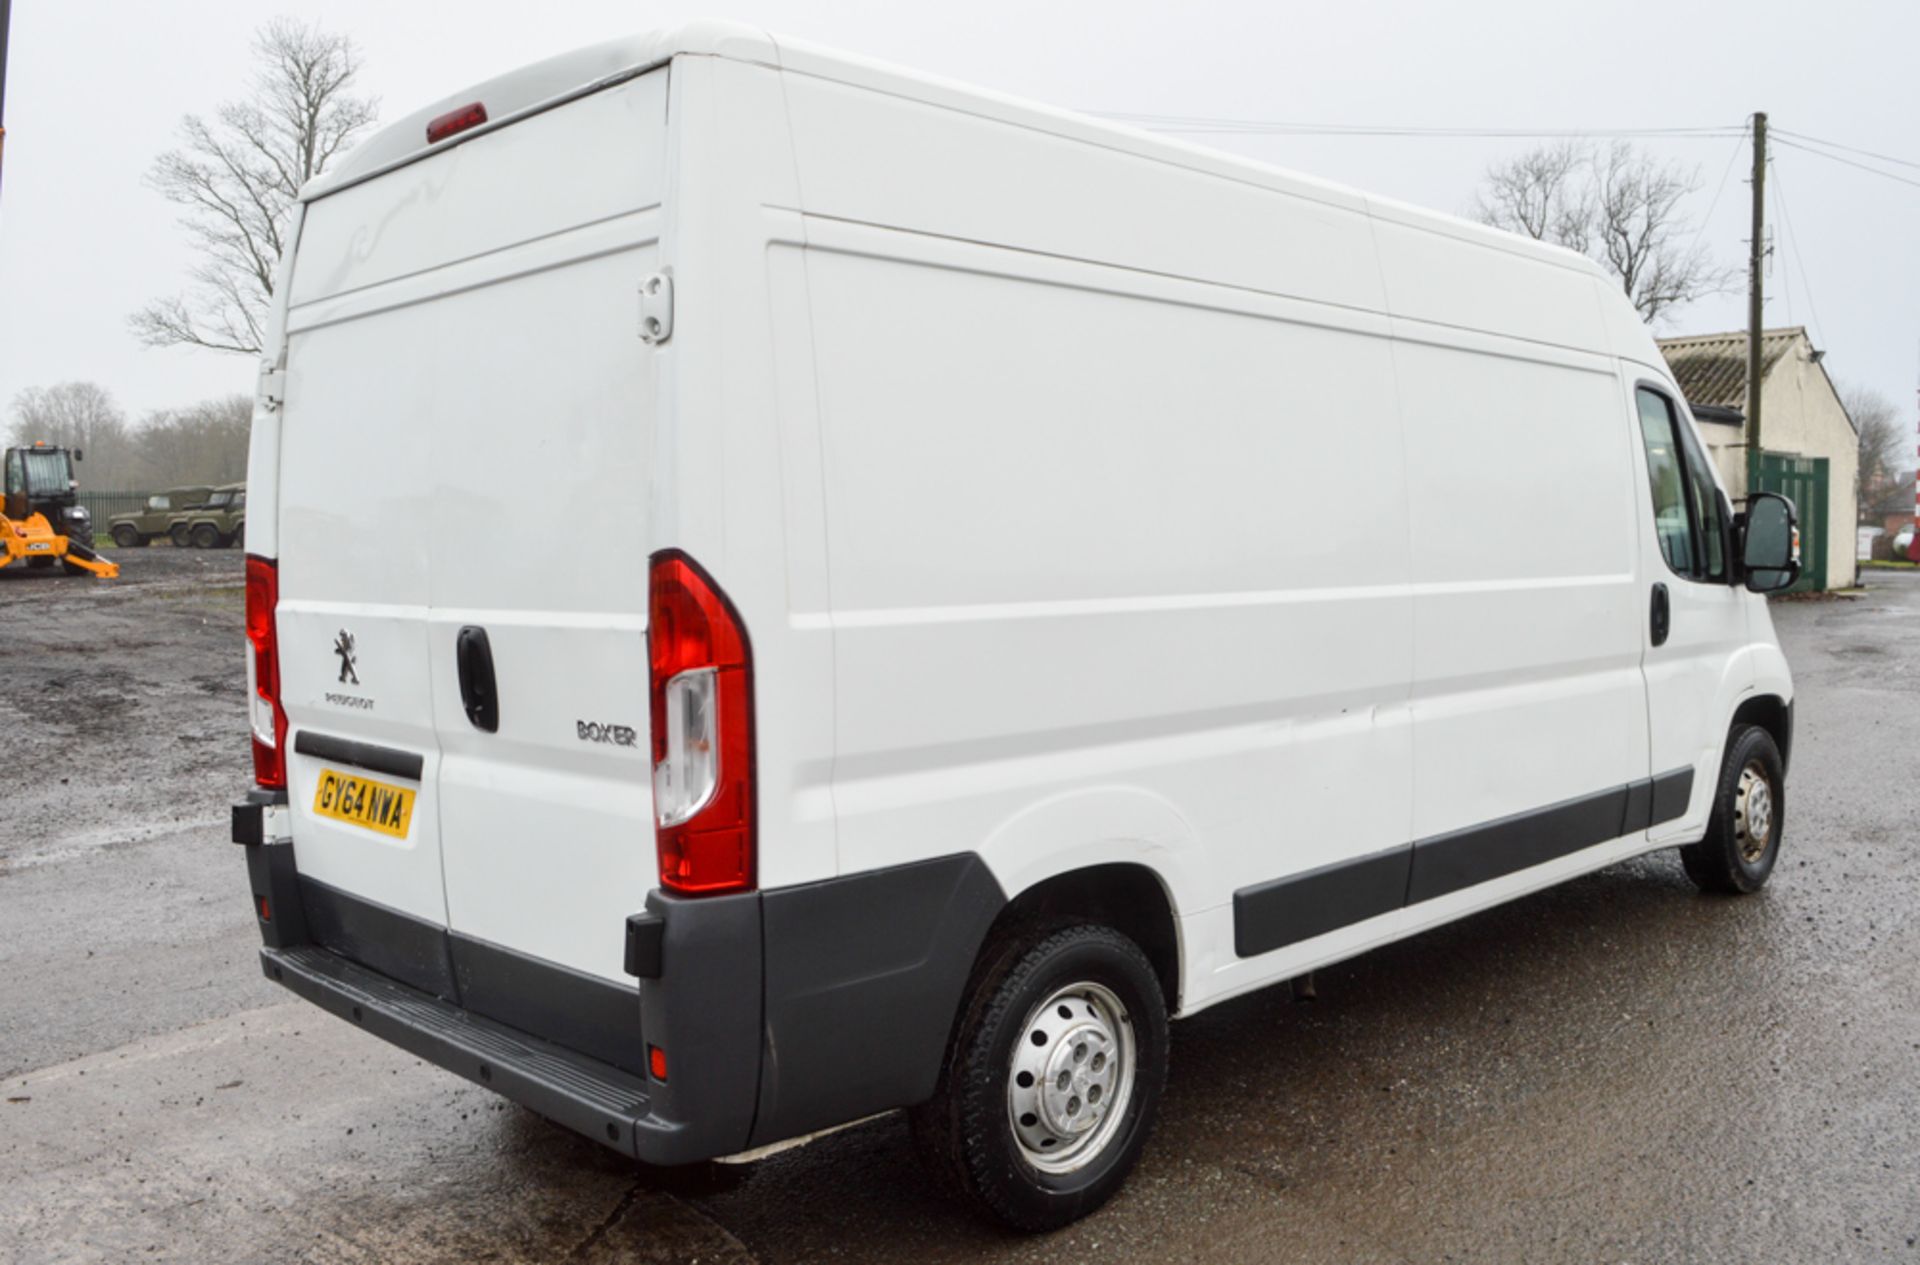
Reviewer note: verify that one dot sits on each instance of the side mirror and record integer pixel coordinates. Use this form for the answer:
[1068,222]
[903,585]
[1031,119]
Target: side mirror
[1769,543]
[78,455]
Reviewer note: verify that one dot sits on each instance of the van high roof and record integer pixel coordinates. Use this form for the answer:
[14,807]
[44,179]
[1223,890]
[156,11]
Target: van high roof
[548,83]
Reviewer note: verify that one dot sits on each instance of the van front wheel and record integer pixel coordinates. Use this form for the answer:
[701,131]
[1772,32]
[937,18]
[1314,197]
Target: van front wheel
[1053,1078]
[1749,809]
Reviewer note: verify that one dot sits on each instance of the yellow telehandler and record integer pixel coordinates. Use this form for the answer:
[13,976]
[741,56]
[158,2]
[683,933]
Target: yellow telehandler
[39,482]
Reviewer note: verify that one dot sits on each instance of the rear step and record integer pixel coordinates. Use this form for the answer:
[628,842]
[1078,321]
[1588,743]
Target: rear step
[596,1099]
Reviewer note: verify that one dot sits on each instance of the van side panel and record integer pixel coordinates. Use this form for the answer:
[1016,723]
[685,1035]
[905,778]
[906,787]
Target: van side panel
[738,469]
[1450,275]
[1108,526]
[878,159]
[1527,603]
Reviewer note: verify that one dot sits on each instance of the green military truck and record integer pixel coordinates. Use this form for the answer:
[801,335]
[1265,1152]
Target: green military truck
[215,523]
[137,527]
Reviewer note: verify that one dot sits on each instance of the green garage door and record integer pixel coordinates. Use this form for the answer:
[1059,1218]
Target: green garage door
[1802,480]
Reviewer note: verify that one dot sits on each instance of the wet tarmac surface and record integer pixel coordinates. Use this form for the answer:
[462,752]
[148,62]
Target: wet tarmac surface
[1616,1070]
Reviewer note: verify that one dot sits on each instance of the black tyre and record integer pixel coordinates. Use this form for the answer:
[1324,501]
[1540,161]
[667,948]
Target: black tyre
[127,536]
[206,536]
[1749,812]
[178,535]
[1052,1079]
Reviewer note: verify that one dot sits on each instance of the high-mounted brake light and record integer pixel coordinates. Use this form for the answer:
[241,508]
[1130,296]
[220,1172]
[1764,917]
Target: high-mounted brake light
[701,678]
[268,721]
[456,121]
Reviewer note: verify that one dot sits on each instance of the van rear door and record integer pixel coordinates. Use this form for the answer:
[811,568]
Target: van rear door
[356,503]
[466,446]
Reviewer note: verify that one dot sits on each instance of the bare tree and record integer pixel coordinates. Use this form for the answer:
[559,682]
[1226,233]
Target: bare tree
[1618,206]
[201,443]
[77,415]
[236,178]
[1884,442]
[1541,194]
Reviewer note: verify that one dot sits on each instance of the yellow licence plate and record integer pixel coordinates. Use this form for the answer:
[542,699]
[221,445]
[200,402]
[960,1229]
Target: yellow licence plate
[363,801]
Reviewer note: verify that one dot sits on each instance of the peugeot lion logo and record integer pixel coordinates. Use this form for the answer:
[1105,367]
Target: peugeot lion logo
[343,646]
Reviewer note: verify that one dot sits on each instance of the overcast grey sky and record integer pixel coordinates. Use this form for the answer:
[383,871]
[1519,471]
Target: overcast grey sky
[96,89]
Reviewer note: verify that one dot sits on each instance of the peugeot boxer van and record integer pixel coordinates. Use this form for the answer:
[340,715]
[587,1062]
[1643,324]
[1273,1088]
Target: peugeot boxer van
[1022,581]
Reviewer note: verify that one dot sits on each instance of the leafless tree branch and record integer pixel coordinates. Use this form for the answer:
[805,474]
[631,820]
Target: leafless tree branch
[236,179]
[1618,206]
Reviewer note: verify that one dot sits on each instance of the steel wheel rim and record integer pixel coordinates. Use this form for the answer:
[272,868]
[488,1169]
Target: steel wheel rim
[1753,813]
[1072,1076]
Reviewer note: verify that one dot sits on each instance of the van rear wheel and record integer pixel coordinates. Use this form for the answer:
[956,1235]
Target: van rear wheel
[1742,842]
[1052,1079]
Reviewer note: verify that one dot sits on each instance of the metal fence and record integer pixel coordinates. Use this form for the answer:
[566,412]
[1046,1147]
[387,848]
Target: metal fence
[104,505]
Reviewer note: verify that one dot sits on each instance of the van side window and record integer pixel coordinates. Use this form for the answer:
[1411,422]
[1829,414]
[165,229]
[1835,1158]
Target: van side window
[1709,515]
[1688,511]
[1665,462]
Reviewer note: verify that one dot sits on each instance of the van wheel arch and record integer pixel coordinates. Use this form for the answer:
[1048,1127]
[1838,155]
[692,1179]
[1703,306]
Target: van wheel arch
[1128,897]
[1771,713]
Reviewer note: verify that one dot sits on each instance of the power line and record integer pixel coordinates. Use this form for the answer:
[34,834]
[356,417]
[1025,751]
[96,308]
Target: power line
[1207,125]
[1793,241]
[1814,140]
[1202,124]
[1821,153]
[1739,143]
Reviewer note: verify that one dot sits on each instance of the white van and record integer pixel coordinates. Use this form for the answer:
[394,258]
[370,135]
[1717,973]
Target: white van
[782,589]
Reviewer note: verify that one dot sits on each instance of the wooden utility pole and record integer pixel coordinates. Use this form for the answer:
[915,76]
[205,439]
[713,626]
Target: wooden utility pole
[6,15]
[1756,258]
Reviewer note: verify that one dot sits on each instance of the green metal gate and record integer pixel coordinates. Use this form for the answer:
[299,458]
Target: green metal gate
[1802,480]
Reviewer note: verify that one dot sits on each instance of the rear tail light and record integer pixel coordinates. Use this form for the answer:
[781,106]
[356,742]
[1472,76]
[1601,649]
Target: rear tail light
[701,677]
[264,714]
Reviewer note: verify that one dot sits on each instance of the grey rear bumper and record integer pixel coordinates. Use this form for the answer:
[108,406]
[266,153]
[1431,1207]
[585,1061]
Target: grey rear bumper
[593,1098]
[778,1013]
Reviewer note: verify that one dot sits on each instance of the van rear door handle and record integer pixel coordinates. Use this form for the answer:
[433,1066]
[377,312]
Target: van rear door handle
[1662,615]
[473,659]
